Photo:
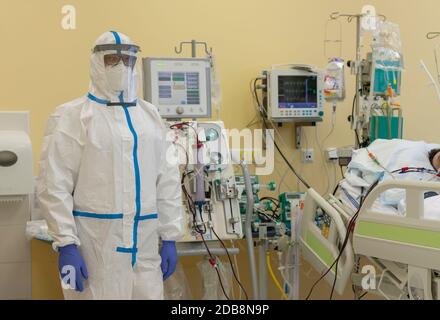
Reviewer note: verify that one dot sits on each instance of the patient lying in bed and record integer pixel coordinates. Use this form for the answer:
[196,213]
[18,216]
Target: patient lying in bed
[434,158]
[393,155]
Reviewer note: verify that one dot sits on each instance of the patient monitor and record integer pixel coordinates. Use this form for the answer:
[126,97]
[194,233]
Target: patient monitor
[294,94]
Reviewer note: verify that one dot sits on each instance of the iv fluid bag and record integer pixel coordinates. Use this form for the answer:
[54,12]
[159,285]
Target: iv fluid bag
[334,80]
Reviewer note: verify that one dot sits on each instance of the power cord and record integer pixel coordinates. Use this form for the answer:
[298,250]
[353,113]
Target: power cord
[265,126]
[201,232]
[232,265]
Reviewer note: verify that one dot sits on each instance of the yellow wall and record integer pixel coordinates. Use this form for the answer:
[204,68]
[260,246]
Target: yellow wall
[44,65]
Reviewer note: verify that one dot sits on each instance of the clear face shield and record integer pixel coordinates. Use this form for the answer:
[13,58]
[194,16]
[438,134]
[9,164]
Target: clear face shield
[120,71]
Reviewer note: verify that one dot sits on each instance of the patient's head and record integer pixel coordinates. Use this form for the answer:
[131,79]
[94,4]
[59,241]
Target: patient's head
[434,157]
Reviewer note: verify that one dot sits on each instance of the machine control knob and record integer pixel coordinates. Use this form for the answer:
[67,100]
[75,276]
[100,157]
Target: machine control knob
[179,110]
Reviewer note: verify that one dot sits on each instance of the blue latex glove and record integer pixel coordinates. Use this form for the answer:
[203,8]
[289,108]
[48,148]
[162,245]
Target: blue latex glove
[168,253]
[70,256]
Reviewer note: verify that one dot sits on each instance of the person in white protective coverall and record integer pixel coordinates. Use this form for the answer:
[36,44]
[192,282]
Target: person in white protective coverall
[106,186]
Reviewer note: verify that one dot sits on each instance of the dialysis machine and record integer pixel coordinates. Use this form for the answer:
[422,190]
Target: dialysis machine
[208,181]
[181,89]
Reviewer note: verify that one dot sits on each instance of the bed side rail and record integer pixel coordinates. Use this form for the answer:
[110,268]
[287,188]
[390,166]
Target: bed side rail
[322,250]
[409,239]
[415,191]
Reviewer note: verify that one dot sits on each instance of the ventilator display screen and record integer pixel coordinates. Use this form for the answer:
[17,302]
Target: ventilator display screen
[179,88]
[297,92]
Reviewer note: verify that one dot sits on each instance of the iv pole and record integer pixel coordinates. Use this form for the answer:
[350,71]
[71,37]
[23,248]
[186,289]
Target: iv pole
[356,66]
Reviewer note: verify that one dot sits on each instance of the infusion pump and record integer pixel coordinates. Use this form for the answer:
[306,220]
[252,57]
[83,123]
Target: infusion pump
[293,94]
[209,192]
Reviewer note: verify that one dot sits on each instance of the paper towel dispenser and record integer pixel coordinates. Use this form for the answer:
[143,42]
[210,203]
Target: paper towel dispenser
[16,164]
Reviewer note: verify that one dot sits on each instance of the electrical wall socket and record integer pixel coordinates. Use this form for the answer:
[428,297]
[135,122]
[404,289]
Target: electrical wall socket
[307,155]
[332,154]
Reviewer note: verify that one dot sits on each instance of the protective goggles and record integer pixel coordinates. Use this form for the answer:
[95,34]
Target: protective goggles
[114,53]
[114,59]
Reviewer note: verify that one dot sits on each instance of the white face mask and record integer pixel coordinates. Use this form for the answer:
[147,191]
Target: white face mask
[119,77]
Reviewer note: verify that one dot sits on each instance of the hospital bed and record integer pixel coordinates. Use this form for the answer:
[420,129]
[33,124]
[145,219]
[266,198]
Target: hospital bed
[404,250]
